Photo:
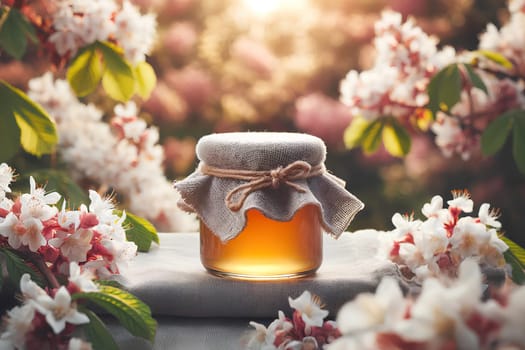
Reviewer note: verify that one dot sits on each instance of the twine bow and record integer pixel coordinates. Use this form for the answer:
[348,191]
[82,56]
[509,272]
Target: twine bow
[259,179]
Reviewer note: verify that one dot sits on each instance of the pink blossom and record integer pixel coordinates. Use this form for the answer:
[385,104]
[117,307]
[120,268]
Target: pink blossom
[322,116]
[307,328]
[180,38]
[12,228]
[440,243]
[254,56]
[173,8]
[32,235]
[166,105]
[194,85]
[408,7]
[74,246]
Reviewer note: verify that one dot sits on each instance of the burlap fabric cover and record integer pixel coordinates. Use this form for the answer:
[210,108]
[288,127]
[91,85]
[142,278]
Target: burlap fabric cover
[205,194]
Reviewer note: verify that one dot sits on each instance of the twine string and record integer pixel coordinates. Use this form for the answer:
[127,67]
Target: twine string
[259,179]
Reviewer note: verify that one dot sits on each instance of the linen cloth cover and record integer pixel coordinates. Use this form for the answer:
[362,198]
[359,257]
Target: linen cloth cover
[264,151]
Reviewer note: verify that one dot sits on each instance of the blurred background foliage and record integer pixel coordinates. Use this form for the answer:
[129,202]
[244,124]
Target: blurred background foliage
[238,65]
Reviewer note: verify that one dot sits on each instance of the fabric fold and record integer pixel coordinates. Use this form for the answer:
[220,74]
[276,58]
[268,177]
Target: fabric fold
[292,175]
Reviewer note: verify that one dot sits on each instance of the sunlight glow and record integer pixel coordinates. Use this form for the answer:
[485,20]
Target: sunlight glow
[263,8]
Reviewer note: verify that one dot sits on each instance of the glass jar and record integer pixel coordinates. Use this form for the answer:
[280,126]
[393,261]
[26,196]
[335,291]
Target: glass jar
[264,199]
[266,248]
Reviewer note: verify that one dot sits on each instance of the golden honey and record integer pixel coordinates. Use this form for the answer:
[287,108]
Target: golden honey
[266,248]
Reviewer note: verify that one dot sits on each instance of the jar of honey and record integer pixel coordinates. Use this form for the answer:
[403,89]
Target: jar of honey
[264,200]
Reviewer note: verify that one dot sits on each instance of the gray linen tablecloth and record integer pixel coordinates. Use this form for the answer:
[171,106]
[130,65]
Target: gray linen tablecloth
[197,310]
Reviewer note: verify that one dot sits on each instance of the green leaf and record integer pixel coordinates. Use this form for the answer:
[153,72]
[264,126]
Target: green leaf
[16,267]
[354,133]
[38,133]
[61,182]
[118,79]
[444,90]
[14,33]
[496,133]
[97,333]
[475,79]
[85,71]
[495,57]
[372,136]
[9,133]
[132,313]
[518,142]
[145,79]
[515,256]
[111,283]
[140,231]
[517,250]
[396,139]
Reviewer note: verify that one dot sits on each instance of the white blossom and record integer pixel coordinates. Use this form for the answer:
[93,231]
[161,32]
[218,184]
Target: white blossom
[428,243]
[82,278]
[122,251]
[79,344]
[78,23]
[6,177]
[19,322]
[404,224]
[365,341]
[102,207]
[435,209]
[461,201]
[440,243]
[134,32]
[37,204]
[373,311]
[441,311]
[29,289]
[258,341]
[488,217]
[514,318]
[395,85]
[309,308]
[68,219]
[509,40]
[468,237]
[281,324]
[516,6]
[433,238]
[6,204]
[92,150]
[448,134]
[59,310]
